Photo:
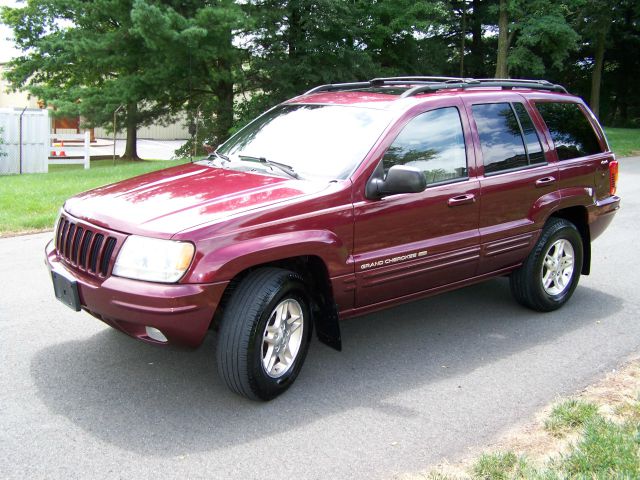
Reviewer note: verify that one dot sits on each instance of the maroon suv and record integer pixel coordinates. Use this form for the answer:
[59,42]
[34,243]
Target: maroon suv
[344,200]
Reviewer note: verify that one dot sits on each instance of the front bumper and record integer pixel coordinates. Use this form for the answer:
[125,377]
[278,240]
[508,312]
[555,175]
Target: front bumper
[182,312]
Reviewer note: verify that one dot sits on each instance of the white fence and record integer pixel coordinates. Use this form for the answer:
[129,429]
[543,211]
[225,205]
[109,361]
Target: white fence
[69,148]
[25,140]
[173,131]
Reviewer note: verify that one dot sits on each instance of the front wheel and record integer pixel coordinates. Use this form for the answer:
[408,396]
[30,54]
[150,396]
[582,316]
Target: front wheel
[550,274]
[265,334]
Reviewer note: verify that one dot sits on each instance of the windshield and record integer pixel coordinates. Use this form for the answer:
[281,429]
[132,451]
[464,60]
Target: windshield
[326,141]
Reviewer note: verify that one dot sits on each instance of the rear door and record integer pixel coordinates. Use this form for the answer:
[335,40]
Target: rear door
[580,146]
[408,243]
[518,185]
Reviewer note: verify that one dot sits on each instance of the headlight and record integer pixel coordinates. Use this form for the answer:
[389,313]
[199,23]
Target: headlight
[153,259]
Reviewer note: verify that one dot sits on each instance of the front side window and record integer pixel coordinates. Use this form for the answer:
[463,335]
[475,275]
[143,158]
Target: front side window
[570,130]
[432,142]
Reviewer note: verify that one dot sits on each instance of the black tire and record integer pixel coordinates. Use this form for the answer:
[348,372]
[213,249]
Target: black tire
[527,281]
[240,344]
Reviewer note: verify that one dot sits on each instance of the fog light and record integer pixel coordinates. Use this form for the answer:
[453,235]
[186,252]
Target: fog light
[156,334]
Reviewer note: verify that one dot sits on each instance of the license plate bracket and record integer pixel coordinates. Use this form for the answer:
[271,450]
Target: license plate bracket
[66,290]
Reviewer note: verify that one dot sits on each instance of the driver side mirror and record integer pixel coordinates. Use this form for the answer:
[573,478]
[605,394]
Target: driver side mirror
[400,179]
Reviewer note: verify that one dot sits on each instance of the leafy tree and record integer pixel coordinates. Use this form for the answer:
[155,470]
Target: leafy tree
[407,37]
[82,58]
[533,35]
[297,44]
[594,24]
[619,62]
[479,59]
[156,58]
[193,41]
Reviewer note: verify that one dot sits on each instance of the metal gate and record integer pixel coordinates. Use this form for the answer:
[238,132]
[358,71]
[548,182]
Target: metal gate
[25,135]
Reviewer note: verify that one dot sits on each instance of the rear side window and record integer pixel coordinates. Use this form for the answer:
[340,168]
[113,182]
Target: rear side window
[433,143]
[500,137]
[570,130]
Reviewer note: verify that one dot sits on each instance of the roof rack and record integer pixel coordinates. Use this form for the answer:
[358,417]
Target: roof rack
[331,87]
[432,84]
[505,83]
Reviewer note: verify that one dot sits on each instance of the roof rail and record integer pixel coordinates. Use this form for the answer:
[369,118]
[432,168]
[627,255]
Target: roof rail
[425,84]
[414,79]
[506,83]
[330,87]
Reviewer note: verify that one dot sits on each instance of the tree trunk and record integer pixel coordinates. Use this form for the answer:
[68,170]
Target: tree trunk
[223,89]
[224,111]
[596,75]
[294,34]
[502,70]
[463,36]
[131,149]
[476,55]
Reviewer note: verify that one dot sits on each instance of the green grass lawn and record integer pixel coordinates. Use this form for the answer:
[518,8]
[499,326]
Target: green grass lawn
[603,449]
[596,437]
[31,202]
[625,142]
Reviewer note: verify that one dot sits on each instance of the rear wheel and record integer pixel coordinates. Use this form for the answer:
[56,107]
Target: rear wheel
[265,334]
[550,274]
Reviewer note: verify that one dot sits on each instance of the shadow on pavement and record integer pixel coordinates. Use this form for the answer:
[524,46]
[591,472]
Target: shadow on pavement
[164,402]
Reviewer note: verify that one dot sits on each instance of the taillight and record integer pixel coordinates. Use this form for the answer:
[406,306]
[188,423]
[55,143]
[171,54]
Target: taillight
[613,177]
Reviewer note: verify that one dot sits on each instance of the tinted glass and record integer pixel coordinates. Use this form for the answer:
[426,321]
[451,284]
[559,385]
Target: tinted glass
[500,138]
[534,147]
[432,142]
[326,141]
[570,130]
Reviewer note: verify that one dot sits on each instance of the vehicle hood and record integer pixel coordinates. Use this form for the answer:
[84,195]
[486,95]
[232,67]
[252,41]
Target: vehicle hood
[165,202]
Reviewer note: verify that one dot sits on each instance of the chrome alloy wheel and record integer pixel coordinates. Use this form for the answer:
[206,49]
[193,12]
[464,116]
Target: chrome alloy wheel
[557,267]
[282,338]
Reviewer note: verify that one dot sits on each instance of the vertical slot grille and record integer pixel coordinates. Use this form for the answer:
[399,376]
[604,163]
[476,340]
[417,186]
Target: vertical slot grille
[67,243]
[84,248]
[76,244]
[106,257]
[95,250]
[63,235]
[62,225]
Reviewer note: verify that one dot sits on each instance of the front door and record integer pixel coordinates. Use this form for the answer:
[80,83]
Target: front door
[408,243]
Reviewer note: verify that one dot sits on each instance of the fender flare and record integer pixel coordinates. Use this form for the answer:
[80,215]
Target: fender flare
[234,258]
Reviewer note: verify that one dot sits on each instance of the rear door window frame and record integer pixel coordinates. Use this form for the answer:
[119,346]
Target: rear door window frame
[539,134]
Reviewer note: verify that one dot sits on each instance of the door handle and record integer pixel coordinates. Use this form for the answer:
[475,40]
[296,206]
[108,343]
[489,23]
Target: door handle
[544,181]
[461,199]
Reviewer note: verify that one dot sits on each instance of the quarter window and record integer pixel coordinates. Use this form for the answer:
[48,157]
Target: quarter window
[570,130]
[432,142]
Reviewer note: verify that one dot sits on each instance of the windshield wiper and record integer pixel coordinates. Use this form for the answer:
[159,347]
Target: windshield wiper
[219,155]
[281,166]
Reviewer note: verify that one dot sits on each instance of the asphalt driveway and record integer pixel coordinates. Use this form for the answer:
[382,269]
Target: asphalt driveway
[413,385]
